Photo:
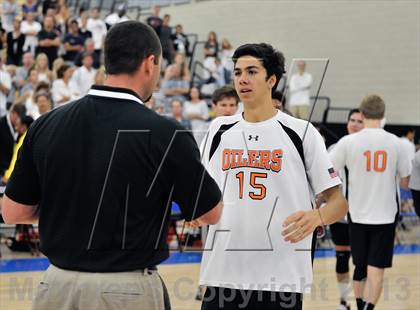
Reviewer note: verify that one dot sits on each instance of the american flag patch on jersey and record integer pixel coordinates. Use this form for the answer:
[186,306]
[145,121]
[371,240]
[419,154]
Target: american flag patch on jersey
[333,173]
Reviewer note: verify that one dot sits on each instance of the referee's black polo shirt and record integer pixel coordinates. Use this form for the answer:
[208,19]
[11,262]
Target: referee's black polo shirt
[104,170]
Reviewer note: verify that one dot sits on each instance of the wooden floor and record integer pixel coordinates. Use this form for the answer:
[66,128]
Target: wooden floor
[401,287]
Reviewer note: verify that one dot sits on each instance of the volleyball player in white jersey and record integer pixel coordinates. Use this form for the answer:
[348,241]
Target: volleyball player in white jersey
[374,159]
[269,166]
[340,230]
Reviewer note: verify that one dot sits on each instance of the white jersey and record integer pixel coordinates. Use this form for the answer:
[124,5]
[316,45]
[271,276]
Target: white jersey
[374,158]
[266,173]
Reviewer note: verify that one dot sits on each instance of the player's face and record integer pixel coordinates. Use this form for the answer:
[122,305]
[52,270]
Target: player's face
[250,78]
[355,123]
[226,107]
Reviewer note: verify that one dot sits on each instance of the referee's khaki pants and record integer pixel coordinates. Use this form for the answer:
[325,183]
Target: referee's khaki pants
[300,111]
[65,290]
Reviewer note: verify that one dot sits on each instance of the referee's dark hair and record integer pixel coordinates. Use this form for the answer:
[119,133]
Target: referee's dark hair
[352,111]
[271,59]
[127,44]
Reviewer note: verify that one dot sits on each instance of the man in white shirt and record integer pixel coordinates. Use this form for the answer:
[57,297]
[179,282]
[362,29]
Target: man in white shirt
[83,77]
[117,17]
[415,182]
[259,255]
[5,86]
[374,158]
[408,141]
[299,88]
[340,230]
[98,28]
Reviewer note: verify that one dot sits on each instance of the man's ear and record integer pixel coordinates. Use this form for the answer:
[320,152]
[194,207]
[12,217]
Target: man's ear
[148,64]
[272,80]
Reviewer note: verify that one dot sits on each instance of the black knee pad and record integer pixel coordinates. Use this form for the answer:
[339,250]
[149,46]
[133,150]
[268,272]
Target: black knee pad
[342,262]
[360,273]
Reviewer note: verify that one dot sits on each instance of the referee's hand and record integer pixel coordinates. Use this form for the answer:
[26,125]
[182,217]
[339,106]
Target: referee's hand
[300,224]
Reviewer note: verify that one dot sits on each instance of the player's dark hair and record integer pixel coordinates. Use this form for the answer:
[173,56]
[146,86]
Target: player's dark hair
[352,111]
[271,59]
[19,109]
[279,96]
[226,91]
[127,44]
[373,107]
[27,120]
[408,130]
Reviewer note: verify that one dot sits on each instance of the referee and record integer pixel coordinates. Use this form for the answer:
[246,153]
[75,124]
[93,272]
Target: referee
[99,174]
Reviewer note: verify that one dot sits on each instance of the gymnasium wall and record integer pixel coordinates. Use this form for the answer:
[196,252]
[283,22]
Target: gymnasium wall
[372,45]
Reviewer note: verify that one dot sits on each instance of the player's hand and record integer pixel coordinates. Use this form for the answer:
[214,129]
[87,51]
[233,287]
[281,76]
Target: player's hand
[194,224]
[299,225]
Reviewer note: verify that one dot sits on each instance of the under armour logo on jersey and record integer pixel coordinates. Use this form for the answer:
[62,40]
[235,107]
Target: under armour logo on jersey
[255,138]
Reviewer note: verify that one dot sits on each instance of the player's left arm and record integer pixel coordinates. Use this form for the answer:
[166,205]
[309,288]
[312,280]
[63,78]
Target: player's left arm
[404,166]
[323,180]
[301,224]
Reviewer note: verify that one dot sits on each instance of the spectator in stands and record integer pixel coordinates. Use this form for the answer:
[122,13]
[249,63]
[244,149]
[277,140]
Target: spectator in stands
[211,48]
[100,76]
[27,92]
[89,49]
[173,86]
[41,65]
[84,32]
[117,17]
[9,135]
[73,42]
[299,88]
[59,25]
[5,87]
[22,72]
[98,28]
[49,40]
[165,39]
[22,126]
[180,41]
[15,43]
[185,71]
[214,75]
[84,76]
[43,100]
[155,21]
[11,69]
[61,91]
[56,65]
[48,4]
[9,11]
[197,112]
[226,53]
[30,28]
[2,36]
[62,13]
[30,6]
[177,114]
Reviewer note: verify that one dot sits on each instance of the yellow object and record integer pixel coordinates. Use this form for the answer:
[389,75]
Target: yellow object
[16,148]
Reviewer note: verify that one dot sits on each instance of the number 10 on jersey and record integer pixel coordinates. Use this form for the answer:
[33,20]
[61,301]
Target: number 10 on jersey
[254,180]
[379,160]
